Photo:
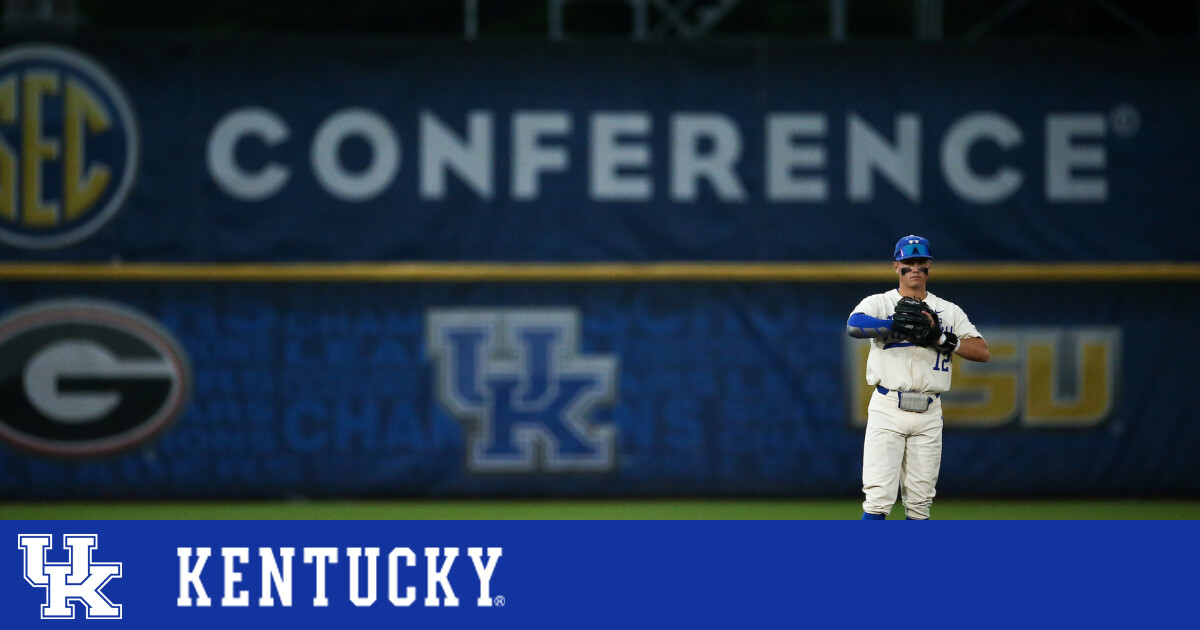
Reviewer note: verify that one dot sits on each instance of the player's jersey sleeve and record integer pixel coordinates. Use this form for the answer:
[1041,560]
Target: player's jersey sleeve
[963,327]
[873,305]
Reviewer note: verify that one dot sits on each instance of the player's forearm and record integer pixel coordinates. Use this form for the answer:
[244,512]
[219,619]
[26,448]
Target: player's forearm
[973,349]
[863,326]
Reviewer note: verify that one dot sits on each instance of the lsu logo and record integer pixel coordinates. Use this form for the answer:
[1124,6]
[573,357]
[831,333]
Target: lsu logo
[68,147]
[524,394]
[1039,377]
[82,378]
[79,580]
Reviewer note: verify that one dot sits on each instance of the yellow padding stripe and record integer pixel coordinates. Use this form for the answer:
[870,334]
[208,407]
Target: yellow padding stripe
[591,272]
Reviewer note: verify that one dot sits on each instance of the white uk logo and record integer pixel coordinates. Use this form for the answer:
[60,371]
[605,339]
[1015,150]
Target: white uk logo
[77,581]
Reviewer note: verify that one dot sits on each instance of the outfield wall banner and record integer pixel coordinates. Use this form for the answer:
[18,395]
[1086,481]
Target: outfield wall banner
[338,149]
[585,574]
[223,390]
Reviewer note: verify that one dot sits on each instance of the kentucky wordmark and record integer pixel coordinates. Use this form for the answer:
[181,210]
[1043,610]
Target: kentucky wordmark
[277,575]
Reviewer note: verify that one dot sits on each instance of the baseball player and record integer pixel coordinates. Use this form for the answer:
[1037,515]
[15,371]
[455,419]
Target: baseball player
[913,334]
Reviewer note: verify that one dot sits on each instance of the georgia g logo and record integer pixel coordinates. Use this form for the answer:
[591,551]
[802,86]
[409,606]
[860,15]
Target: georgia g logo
[78,580]
[85,378]
[516,380]
[68,147]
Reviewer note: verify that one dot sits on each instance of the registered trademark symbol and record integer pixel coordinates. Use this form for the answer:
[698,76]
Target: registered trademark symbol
[499,601]
[1125,120]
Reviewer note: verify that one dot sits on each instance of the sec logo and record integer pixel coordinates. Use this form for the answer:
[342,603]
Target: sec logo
[68,147]
[82,378]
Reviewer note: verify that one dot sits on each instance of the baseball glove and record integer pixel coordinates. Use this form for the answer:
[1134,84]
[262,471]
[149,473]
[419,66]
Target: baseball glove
[911,323]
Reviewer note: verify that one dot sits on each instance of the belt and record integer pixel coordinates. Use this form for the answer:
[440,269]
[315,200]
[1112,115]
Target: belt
[883,390]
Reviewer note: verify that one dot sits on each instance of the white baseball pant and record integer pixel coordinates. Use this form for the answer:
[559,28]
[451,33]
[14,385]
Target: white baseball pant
[902,452]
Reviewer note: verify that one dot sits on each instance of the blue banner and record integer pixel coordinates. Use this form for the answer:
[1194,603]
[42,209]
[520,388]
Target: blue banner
[221,390]
[586,574]
[336,149]
[206,150]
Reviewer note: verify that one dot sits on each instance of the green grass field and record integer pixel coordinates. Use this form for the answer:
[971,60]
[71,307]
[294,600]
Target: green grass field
[637,509]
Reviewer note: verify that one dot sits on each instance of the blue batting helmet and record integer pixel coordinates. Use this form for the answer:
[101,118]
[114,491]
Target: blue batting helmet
[912,246]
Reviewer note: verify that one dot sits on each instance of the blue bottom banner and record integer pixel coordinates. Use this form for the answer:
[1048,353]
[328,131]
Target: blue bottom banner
[592,574]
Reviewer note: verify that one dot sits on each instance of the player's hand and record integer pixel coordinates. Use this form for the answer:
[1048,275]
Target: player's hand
[949,343]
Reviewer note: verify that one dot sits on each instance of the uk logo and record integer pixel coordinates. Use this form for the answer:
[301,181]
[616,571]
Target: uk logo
[77,581]
[524,394]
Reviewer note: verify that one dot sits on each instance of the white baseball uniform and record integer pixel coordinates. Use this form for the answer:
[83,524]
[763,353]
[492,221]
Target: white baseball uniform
[902,450]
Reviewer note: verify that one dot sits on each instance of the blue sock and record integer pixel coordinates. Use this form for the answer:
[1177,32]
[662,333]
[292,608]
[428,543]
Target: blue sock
[869,516]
